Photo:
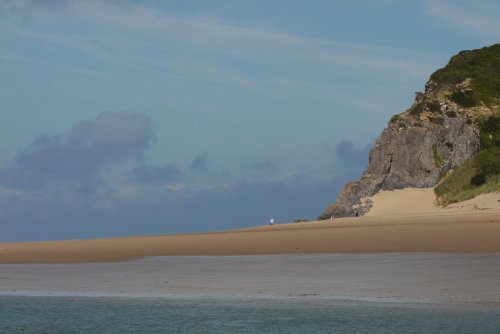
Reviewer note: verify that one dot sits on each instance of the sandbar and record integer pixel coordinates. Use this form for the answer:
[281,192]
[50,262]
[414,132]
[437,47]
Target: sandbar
[373,277]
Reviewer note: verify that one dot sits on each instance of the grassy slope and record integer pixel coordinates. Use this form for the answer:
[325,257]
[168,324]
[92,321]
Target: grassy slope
[456,186]
[482,66]
[481,174]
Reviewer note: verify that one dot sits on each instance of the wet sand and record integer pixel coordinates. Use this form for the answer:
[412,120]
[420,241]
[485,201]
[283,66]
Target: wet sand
[389,277]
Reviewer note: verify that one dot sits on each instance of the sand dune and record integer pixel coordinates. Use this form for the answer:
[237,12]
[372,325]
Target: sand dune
[400,221]
[418,201]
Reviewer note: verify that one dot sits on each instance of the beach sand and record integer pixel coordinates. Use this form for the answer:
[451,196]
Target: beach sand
[420,201]
[400,221]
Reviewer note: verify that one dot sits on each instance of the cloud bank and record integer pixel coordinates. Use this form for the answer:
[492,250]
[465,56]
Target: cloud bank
[58,187]
[200,164]
[89,147]
[351,156]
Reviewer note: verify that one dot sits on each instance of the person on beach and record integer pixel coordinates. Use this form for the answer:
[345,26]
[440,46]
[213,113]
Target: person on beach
[271,221]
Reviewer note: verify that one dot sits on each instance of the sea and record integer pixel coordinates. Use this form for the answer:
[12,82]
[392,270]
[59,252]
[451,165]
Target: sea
[149,315]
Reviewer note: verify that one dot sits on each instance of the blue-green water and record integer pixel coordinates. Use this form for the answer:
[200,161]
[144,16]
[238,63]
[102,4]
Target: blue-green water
[107,315]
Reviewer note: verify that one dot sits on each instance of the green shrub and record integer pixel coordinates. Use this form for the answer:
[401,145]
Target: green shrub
[436,120]
[466,98]
[478,180]
[417,109]
[486,140]
[490,131]
[491,124]
[394,118]
[434,106]
[488,161]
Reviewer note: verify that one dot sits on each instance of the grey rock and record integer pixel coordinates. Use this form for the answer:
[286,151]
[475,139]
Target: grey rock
[412,151]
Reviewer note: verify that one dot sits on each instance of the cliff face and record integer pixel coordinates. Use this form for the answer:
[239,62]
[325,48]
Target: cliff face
[438,133]
[410,153]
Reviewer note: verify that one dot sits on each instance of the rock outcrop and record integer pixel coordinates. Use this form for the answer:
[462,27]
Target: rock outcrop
[438,133]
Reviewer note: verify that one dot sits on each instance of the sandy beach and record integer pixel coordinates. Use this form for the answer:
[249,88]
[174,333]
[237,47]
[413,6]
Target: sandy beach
[458,233]
[400,221]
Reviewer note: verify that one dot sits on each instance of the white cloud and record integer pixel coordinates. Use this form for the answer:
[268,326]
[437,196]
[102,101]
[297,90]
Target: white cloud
[155,38]
[480,18]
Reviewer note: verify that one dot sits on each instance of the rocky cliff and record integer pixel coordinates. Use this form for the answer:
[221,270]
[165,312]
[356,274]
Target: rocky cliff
[437,133]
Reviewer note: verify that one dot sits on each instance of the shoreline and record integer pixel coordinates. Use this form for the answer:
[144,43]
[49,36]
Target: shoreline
[292,300]
[384,278]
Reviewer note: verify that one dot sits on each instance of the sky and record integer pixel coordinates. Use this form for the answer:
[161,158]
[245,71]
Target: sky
[152,117]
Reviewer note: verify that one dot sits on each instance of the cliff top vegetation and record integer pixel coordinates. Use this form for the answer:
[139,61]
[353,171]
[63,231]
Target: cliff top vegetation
[482,66]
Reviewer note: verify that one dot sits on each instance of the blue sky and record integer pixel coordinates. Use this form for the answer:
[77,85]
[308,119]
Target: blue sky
[147,117]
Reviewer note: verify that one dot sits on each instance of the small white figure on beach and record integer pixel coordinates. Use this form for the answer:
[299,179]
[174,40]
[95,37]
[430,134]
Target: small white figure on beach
[271,221]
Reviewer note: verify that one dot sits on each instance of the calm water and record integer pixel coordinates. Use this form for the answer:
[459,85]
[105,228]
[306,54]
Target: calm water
[106,315]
